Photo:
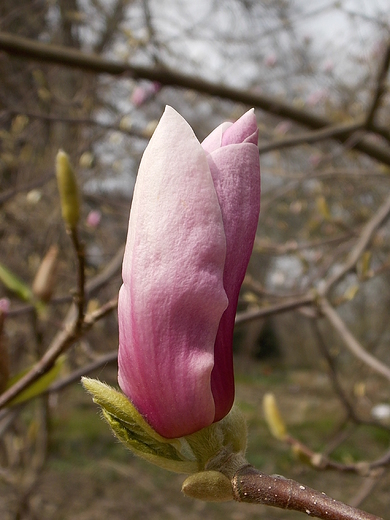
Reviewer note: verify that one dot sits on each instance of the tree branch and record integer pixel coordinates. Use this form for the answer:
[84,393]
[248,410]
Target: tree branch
[380,88]
[365,237]
[350,341]
[50,53]
[255,314]
[253,486]
[330,132]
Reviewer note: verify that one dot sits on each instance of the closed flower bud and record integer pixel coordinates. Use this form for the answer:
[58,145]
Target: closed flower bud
[191,231]
[44,280]
[273,418]
[67,186]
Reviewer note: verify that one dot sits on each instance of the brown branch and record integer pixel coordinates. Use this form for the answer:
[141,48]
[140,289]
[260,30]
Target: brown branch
[253,486]
[61,342]
[333,372]
[30,49]
[380,88]
[267,247]
[102,361]
[366,236]
[77,121]
[8,194]
[365,490]
[80,295]
[255,314]
[350,341]
[64,339]
[110,270]
[330,132]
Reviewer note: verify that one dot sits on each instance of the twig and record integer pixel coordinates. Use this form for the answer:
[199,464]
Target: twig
[350,341]
[71,331]
[65,338]
[292,246]
[351,413]
[77,121]
[253,486]
[80,295]
[365,237]
[254,314]
[333,373]
[380,88]
[330,132]
[91,287]
[365,490]
[61,342]
[102,361]
[8,194]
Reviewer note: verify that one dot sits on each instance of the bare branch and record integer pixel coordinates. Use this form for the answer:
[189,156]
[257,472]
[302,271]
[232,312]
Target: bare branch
[102,361]
[380,88]
[30,49]
[366,236]
[332,131]
[253,486]
[350,341]
[255,314]
[74,120]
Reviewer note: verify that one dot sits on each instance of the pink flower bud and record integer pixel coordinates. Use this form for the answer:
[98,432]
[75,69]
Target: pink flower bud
[191,231]
[143,93]
[93,218]
[283,127]
[271,60]
[317,97]
[5,305]
[328,65]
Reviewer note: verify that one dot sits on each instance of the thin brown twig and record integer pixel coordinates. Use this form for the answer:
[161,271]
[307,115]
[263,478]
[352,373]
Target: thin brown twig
[350,341]
[80,294]
[255,314]
[333,372]
[330,132]
[366,489]
[61,342]
[351,412]
[365,237]
[102,361]
[37,183]
[291,246]
[56,118]
[380,88]
[91,287]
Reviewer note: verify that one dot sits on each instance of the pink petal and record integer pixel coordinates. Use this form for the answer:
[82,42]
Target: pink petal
[214,140]
[243,131]
[236,175]
[173,297]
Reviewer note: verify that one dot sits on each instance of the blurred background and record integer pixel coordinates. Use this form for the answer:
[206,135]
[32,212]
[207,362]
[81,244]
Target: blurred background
[313,320]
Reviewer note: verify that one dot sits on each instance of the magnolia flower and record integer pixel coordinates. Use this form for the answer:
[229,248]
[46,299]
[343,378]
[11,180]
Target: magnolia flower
[191,231]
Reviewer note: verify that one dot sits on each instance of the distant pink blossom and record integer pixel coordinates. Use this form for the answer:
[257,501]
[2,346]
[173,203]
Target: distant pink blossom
[144,92]
[315,159]
[94,217]
[328,65]
[271,60]
[5,305]
[317,97]
[283,127]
